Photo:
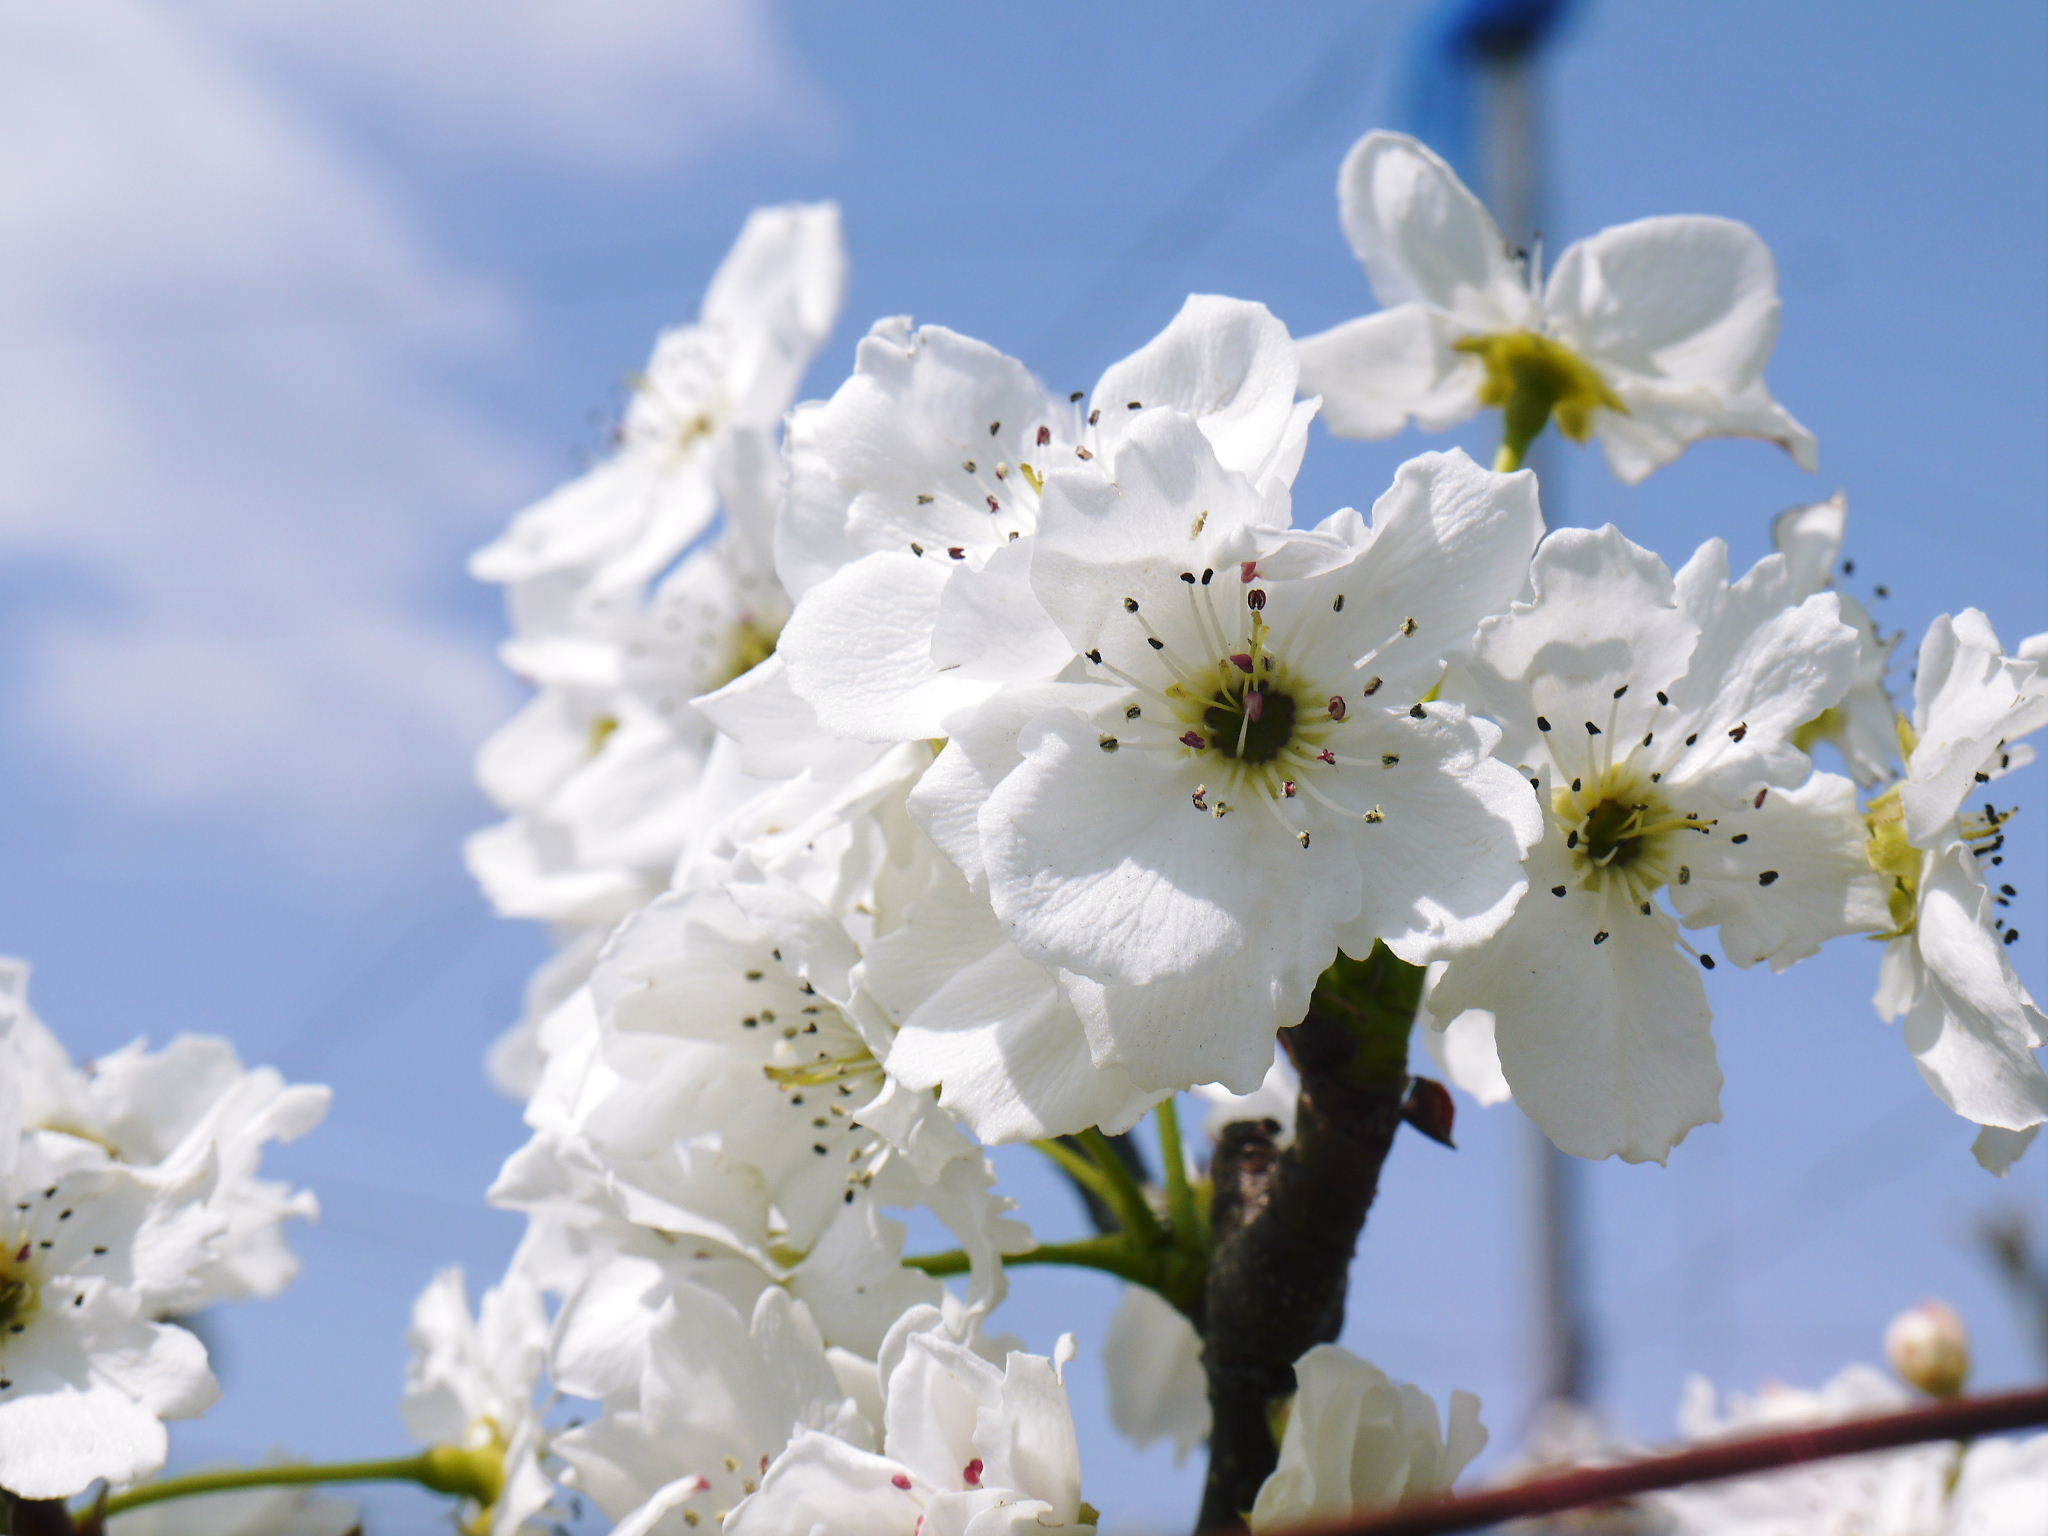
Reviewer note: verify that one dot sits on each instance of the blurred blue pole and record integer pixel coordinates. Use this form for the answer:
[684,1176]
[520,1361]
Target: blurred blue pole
[1471,94]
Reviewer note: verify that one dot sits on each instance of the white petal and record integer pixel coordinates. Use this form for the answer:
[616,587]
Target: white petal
[1811,842]
[1608,1046]
[1603,614]
[1171,508]
[820,1486]
[1229,364]
[1424,238]
[1973,1029]
[1764,666]
[990,626]
[1092,866]
[781,283]
[1153,1359]
[1443,871]
[1449,545]
[1685,298]
[1997,1150]
[1970,701]
[859,651]
[1377,373]
[1811,539]
[1662,420]
[989,1029]
[1465,1052]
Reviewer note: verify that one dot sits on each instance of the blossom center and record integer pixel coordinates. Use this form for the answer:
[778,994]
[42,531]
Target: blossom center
[1251,724]
[1540,377]
[20,1293]
[749,642]
[1619,827]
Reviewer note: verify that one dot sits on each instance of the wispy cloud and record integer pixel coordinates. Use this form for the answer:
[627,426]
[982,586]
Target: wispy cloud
[614,87]
[233,454]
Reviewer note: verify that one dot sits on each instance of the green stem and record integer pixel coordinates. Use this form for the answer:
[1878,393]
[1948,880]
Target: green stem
[441,1469]
[1122,1191]
[1082,1170]
[1112,1254]
[1190,1230]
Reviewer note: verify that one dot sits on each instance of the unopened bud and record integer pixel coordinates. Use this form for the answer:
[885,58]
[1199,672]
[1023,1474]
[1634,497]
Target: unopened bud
[1929,1348]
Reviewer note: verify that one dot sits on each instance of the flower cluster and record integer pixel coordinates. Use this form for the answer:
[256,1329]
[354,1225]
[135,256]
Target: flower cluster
[1004,763]
[130,1197]
[953,761]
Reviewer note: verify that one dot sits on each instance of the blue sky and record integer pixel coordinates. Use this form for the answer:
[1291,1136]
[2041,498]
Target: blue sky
[301,306]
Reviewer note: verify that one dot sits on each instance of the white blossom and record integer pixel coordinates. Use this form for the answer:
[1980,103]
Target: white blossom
[1863,727]
[166,1110]
[88,1248]
[1655,717]
[717,1396]
[967,1448]
[1153,1360]
[915,494]
[1649,336]
[474,1381]
[1357,1441]
[1971,1025]
[1250,776]
[768,308]
[1991,1487]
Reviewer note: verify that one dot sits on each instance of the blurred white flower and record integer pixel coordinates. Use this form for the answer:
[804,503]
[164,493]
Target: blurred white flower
[1649,336]
[1970,1023]
[967,1449]
[1863,728]
[1358,1441]
[1153,1360]
[474,1383]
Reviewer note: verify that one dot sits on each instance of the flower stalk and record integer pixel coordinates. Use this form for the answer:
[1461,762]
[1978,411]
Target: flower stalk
[450,1469]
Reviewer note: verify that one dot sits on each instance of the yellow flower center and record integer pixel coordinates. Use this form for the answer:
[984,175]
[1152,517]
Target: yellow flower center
[1533,377]
[19,1291]
[1620,829]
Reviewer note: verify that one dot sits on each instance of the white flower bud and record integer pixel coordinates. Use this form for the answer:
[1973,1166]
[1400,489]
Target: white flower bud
[1930,1348]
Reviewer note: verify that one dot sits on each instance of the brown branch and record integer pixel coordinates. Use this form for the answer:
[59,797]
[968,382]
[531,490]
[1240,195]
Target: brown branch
[1286,1223]
[1959,1419]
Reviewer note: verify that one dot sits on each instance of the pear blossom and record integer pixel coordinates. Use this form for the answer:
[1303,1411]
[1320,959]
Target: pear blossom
[1152,1358]
[1357,1441]
[88,1250]
[993,1034]
[1989,1487]
[1649,336]
[768,308]
[967,1448]
[1655,717]
[1251,776]
[746,1000]
[914,494]
[1971,1025]
[164,1110]
[1863,727]
[717,1396]
[473,1383]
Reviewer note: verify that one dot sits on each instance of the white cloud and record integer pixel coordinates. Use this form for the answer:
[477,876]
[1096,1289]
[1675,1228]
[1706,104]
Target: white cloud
[599,85]
[233,462]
